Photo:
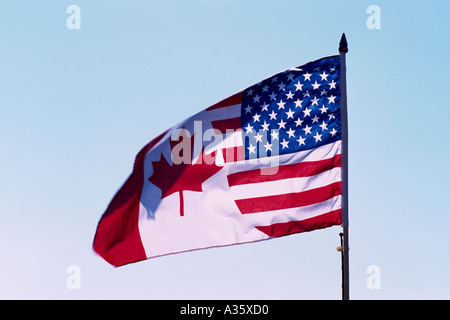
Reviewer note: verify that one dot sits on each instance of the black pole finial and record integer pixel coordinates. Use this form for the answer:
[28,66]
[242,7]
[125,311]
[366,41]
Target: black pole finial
[343,46]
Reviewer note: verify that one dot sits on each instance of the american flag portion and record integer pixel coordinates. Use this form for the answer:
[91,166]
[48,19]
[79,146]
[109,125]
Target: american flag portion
[297,109]
[295,117]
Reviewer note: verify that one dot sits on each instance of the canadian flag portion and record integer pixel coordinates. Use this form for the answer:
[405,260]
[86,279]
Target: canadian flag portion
[262,163]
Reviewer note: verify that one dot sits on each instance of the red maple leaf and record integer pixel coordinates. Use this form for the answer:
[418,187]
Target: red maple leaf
[184,176]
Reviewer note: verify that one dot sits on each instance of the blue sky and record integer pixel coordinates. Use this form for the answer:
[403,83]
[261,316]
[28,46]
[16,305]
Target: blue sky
[77,105]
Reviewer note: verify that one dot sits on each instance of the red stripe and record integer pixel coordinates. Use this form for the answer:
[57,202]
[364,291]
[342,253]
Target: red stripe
[289,200]
[225,125]
[302,169]
[230,101]
[181,203]
[117,238]
[233,154]
[319,222]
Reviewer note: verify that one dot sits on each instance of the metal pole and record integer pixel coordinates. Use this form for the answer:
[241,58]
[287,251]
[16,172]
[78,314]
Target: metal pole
[341,249]
[343,49]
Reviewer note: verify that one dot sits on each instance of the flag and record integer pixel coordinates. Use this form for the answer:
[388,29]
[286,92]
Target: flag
[262,163]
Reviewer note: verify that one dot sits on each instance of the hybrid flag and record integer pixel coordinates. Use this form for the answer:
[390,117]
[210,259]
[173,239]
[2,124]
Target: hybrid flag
[262,163]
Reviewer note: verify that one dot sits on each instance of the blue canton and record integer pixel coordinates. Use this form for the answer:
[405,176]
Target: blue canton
[294,110]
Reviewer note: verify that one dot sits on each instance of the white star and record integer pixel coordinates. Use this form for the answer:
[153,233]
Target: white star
[250,92]
[323,109]
[265,126]
[248,109]
[315,85]
[307,112]
[290,77]
[315,119]
[306,94]
[298,122]
[290,114]
[298,103]
[290,132]
[265,88]
[256,98]
[318,137]
[323,126]
[251,149]
[332,85]
[264,107]
[323,76]
[281,104]
[307,129]
[273,115]
[284,143]
[273,96]
[323,92]
[331,99]
[248,128]
[289,95]
[301,141]
[274,134]
[256,117]
[333,132]
[331,116]
[258,137]
[307,76]
[314,101]
[281,86]
[268,146]
[298,86]
[281,124]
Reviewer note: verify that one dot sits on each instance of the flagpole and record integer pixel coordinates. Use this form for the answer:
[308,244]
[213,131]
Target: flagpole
[343,49]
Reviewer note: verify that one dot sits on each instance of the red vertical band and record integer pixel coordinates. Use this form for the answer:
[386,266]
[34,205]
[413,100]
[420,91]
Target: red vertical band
[117,238]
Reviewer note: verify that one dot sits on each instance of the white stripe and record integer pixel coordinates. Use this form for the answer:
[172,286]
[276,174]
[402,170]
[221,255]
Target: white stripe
[229,140]
[300,184]
[233,111]
[323,152]
[294,214]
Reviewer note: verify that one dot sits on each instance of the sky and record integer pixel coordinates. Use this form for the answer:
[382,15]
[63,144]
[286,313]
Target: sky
[77,104]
